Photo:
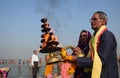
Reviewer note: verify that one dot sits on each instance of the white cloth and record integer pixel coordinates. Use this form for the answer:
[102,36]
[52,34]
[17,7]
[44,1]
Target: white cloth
[34,58]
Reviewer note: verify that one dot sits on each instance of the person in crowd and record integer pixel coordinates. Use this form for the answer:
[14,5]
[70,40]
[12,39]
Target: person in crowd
[19,64]
[34,61]
[119,61]
[40,62]
[39,65]
[48,68]
[4,71]
[102,56]
[65,67]
[30,63]
[83,44]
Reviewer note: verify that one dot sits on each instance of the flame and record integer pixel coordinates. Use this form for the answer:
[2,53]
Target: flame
[48,37]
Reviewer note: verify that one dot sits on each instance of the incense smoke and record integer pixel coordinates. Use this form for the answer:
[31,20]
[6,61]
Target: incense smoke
[55,9]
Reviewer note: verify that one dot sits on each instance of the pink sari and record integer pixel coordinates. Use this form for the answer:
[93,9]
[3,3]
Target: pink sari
[64,70]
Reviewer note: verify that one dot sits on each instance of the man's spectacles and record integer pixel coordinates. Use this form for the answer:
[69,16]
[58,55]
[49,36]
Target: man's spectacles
[94,19]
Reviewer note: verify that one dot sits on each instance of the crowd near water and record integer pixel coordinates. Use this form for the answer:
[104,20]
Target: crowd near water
[25,70]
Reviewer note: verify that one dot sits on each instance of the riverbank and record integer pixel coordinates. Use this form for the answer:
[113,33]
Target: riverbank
[25,71]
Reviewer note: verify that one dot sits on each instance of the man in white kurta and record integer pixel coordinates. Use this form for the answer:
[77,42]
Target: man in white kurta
[34,63]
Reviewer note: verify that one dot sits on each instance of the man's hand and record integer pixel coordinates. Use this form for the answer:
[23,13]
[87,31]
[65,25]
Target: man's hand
[71,58]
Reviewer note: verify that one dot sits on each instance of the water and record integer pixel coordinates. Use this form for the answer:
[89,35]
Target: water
[25,71]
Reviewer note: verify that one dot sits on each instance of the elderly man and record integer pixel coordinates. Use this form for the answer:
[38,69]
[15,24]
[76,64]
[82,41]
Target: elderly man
[102,56]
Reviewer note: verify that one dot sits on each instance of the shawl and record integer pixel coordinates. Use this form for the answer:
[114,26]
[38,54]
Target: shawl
[82,45]
[97,64]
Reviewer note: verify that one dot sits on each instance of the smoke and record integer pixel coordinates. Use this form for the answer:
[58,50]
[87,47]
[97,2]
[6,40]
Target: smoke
[53,10]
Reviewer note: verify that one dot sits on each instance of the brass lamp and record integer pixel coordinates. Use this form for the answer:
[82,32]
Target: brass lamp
[53,56]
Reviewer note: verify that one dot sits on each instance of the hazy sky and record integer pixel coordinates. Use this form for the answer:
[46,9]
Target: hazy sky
[20,26]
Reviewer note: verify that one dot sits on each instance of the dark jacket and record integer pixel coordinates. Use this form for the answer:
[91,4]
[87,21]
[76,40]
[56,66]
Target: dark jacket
[107,52]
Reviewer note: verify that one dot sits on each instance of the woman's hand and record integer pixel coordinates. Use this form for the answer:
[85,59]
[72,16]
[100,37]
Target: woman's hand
[77,51]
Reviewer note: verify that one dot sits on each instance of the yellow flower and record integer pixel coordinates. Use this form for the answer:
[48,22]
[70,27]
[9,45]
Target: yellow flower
[63,53]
